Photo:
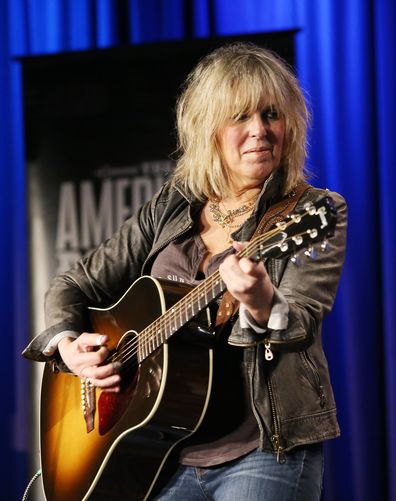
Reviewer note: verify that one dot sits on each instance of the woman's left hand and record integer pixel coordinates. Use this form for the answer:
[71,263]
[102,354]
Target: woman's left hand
[249,283]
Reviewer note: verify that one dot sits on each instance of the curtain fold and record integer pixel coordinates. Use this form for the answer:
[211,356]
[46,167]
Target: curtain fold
[346,64]
[384,14]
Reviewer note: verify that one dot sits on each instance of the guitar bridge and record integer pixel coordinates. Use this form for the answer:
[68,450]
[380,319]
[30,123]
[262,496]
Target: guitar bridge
[88,403]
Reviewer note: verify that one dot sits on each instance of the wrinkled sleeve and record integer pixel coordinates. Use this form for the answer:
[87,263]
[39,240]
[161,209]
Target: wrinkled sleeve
[95,280]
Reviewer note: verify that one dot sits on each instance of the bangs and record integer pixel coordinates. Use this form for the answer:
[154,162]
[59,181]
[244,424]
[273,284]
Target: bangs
[245,91]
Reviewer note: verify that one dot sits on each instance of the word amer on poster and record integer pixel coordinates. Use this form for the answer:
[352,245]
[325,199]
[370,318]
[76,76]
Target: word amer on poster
[91,210]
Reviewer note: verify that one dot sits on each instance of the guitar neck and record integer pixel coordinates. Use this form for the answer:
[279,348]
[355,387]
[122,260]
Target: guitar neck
[180,314]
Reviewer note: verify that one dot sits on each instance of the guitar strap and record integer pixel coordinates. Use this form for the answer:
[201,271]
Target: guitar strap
[277,212]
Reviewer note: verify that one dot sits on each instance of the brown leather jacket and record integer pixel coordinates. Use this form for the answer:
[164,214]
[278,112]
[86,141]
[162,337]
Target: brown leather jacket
[291,395]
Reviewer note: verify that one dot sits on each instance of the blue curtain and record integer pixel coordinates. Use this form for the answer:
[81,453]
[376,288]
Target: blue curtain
[346,64]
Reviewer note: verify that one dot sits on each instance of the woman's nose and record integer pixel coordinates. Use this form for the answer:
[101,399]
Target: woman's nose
[258,127]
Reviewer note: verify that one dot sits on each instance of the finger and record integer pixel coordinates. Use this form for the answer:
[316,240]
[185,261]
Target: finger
[91,358]
[231,270]
[238,246]
[92,339]
[109,382]
[230,263]
[103,376]
[237,283]
[103,371]
[251,268]
[114,389]
[243,276]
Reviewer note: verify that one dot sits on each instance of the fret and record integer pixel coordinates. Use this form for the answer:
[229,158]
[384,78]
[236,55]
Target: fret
[180,312]
[172,320]
[161,334]
[167,330]
[145,350]
[142,347]
[147,344]
[150,344]
[185,309]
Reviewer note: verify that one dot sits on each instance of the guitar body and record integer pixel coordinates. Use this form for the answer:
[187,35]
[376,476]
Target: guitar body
[163,401]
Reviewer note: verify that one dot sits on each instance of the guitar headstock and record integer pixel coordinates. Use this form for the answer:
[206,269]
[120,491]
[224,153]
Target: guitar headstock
[299,230]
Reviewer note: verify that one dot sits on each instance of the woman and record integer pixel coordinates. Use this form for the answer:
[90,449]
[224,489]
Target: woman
[242,123]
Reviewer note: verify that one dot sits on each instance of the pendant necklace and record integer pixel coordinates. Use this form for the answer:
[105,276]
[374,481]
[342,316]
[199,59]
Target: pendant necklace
[226,219]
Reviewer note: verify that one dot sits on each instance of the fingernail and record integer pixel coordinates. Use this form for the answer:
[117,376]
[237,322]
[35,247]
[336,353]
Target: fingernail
[100,340]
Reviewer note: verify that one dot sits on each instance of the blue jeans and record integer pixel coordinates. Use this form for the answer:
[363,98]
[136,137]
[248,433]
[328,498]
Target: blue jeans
[256,476]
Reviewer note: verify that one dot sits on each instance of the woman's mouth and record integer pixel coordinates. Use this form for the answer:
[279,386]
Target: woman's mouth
[259,149]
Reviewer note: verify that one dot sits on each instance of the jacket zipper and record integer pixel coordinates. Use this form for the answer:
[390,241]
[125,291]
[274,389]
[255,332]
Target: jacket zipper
[252,402]
[269,355]
[276,437]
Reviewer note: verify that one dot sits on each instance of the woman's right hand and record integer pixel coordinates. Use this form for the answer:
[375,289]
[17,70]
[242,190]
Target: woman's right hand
[85,355]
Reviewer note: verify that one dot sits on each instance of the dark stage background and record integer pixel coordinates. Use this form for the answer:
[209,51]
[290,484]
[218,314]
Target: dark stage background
[345,61]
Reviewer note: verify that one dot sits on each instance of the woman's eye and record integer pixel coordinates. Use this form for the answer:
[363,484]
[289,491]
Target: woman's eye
[270,114]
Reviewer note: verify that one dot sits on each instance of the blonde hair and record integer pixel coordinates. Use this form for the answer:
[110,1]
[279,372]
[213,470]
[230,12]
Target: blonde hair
[233,80]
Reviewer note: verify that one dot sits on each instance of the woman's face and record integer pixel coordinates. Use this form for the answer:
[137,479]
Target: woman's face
[251,146]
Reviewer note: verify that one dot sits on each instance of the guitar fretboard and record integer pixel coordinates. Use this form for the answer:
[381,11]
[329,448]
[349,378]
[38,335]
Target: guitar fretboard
[182,312]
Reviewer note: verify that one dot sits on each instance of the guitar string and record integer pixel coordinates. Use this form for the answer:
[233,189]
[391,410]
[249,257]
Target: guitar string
[150,333]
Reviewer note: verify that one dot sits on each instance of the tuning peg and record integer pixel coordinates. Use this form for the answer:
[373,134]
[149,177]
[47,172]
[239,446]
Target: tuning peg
[324,245]
[298,239]
[311,252]
[296,218]
[310,208]
[296,259]
[313,233]
[284,246]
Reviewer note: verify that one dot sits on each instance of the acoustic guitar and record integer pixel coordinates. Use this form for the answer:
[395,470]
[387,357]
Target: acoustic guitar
[103,446]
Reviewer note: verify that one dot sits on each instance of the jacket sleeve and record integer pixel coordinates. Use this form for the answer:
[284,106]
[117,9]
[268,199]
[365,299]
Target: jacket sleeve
[309,289]
[96,280]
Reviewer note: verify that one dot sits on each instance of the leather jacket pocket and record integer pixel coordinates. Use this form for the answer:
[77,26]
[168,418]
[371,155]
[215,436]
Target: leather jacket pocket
[313,376]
